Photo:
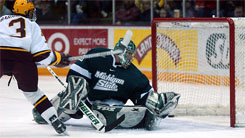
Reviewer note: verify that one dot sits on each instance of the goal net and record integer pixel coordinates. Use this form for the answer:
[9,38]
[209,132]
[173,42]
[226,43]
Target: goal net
[203,60]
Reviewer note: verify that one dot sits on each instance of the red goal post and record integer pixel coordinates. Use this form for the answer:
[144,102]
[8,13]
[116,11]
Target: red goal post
[196,57]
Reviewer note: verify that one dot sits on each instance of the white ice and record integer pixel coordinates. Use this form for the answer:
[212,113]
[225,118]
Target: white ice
[16,120]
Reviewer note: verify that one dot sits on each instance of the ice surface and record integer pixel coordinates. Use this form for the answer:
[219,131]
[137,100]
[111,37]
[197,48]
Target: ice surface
[16,120]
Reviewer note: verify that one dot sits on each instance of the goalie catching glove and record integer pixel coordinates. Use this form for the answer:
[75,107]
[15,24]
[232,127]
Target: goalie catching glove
[161,104]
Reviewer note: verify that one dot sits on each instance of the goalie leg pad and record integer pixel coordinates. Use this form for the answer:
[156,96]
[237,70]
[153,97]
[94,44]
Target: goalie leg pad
[76,91]
[151,121]
[162,104]
[135,116]
[66,102]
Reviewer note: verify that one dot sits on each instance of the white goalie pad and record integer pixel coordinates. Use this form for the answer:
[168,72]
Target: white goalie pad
[133,114]
[76,91]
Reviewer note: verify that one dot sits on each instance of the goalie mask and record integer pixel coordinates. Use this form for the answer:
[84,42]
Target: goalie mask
[25,8]
[128,53]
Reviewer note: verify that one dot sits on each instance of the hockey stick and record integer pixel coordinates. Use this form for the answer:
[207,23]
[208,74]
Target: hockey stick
[101,54]
[87,111]
[124,42]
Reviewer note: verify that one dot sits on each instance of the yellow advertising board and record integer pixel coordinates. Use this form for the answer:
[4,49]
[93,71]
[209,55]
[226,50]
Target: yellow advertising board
[183,40]
[181,53]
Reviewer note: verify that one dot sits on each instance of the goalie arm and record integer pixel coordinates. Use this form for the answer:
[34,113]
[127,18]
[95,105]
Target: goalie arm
[160,104]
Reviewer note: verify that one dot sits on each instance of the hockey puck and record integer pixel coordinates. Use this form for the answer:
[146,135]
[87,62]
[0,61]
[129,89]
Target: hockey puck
[170,115]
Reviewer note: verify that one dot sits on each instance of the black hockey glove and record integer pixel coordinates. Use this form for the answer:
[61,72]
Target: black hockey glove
[64,60]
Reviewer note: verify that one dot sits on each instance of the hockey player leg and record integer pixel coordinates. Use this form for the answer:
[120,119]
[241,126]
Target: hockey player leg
[46,110]
[66,102]
[55,102]
[162,104]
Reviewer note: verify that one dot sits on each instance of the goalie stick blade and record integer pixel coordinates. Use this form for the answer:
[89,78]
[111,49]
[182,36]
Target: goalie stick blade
[96,121]
[114,124]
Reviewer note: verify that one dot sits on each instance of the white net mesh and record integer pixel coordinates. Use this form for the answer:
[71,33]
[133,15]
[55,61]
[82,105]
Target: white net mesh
[240,70]
[193,60]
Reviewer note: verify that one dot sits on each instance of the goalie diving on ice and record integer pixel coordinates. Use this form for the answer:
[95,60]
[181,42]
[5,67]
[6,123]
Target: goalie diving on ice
[106,84]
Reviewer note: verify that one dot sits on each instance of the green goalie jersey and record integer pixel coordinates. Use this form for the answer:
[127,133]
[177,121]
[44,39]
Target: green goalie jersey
[108,80]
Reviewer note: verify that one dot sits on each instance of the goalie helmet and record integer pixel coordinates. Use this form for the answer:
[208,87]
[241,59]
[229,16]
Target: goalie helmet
[128,53]
[25,8]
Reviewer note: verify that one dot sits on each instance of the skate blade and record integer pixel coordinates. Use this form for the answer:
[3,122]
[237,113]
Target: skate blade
[65,133]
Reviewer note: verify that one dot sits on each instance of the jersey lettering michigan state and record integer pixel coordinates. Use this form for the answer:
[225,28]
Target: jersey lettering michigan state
[107,82]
